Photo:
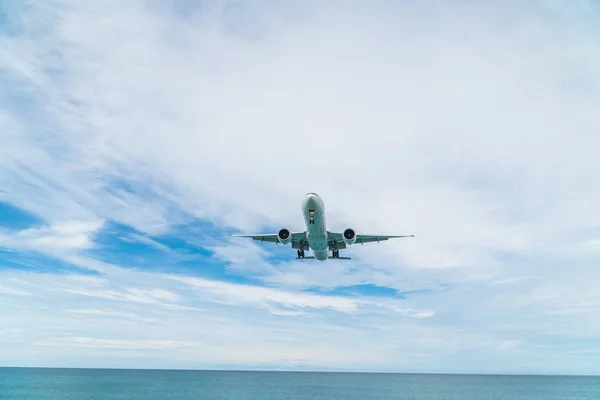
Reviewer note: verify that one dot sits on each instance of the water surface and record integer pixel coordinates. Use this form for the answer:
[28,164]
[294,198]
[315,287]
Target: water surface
[96,384]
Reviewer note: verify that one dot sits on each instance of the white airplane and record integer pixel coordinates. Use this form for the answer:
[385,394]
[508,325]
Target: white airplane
[316,237]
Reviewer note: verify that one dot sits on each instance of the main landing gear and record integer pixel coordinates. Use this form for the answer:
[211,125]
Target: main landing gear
[335,254]
[300,253]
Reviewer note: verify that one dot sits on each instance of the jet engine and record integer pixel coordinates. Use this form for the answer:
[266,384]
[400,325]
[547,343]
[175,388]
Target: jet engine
[284,236]
[349,236]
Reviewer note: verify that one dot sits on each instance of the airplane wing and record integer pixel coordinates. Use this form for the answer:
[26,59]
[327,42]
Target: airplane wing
[297,237]
[338,238]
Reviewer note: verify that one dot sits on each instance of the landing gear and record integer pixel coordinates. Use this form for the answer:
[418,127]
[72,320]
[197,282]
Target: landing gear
[300,253]
[335,253]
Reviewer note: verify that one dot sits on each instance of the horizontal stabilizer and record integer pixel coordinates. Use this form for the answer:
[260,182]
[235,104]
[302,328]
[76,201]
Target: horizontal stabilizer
[331,258]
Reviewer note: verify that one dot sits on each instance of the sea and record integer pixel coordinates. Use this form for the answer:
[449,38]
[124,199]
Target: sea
[92,384]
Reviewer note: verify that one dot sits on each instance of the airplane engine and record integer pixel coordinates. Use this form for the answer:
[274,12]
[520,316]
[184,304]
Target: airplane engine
[284,236]
[349,236]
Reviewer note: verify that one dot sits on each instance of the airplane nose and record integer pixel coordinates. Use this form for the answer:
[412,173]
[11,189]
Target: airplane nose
[311,200]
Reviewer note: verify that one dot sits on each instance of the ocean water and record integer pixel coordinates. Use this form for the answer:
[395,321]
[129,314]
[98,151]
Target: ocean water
[90,384]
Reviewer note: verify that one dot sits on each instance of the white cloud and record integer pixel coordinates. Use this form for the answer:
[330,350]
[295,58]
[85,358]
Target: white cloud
[12,291]
[247,295]
[103,312]
[238,321]
[244,253]
[476,131]
[116,344]
[146,240]
[228,321]
[67,237]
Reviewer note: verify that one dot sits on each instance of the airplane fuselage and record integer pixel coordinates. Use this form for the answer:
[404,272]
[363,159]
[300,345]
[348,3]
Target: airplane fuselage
[313,209]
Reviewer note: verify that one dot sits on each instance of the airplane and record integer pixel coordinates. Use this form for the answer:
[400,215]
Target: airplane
[316,237]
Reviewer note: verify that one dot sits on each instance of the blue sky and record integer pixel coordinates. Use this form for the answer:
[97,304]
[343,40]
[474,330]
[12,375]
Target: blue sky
[136,137]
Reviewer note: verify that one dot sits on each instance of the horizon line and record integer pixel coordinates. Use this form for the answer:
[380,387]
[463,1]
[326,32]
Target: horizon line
[314,371]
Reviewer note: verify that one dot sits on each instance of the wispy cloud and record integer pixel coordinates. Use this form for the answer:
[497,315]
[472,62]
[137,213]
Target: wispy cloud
[116,344]
[146,240]
[62,238]
[236,294]
[11,291]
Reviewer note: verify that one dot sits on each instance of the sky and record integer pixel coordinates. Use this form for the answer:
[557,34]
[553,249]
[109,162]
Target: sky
[137,136]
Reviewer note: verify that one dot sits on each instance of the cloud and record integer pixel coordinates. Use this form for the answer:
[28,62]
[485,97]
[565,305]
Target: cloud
[133,295]
[472,127]
[116,344]
[64,237]
[148,241]
[103,312]
[109,315]
[12,291]
[236,294]
[453,231]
